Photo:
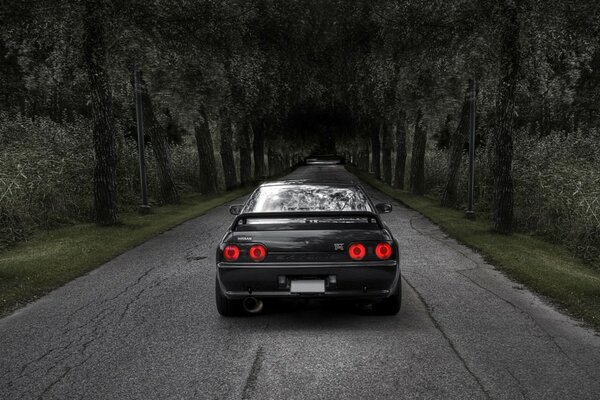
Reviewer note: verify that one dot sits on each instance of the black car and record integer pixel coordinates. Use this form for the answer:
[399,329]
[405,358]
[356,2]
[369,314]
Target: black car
[324,159]
[296,239]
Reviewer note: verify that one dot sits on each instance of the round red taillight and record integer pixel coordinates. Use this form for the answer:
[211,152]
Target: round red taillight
[357,251]
[383,251]
[257,252]
[231,253]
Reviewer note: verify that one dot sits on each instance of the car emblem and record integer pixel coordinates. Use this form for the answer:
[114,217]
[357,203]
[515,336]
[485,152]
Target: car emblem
[245,238]
[338,246]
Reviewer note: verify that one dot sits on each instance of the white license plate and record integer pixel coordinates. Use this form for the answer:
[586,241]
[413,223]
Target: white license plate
[308,286]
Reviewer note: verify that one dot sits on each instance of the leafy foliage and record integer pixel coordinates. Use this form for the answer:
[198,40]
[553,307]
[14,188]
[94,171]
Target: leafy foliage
[303,76]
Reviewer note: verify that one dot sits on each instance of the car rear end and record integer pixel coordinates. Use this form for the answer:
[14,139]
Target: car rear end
[308,255]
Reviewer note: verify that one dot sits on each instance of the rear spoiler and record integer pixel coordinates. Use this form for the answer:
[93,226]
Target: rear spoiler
[307,214]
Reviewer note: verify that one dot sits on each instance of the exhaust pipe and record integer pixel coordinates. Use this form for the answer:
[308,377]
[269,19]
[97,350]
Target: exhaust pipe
[252,305]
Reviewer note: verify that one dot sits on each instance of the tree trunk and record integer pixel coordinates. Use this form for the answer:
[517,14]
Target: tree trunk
[227,158]
[206,155]
[502,220]
[455,153]
[104,135]
[272,162]
[245,153]
[160,147]
[386,150]
[364,156]
[259,149]
[280,163]
[376,149]
[417,165]
[400,152]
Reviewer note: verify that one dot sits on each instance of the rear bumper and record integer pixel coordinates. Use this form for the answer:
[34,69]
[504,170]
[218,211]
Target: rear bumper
[372,279]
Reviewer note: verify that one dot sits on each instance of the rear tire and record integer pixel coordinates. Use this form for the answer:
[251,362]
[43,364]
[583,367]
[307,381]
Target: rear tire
[390,305]
[226,307]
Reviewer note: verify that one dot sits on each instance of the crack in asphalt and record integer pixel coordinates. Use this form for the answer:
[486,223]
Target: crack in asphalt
[525,313]
[479,265]
[519,384]
[530,317]
[62,376]
[252,378]
[97,321]
[195,258]
[439,327]
[133,300]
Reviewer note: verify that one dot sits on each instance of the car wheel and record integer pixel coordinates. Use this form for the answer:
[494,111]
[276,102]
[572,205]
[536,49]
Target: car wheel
[390,305]
[226,307]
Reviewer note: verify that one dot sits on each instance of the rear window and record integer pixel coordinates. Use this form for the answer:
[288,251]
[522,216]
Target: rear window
[286,198]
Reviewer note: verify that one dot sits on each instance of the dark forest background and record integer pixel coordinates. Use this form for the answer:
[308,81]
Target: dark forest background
[237,90]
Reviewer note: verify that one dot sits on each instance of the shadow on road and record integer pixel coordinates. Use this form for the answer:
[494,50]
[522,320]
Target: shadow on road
[333,315]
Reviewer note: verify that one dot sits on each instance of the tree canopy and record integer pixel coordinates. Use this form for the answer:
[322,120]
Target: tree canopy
[255,85]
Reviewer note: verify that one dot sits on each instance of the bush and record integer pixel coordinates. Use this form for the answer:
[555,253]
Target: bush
[436,174]
[185,164]
[47,169]
[557,187]
[436,162]
[44,174]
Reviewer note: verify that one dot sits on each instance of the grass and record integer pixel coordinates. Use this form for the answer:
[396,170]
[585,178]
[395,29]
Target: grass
[546,268]
[52,258]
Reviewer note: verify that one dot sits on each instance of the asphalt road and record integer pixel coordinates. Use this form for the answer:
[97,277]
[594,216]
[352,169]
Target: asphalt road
[145,326]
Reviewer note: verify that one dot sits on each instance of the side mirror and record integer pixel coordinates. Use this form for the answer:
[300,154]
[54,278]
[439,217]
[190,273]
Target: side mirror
[383,208]
[235,209]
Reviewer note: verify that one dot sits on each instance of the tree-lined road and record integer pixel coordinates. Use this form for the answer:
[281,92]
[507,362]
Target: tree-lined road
[144,325]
